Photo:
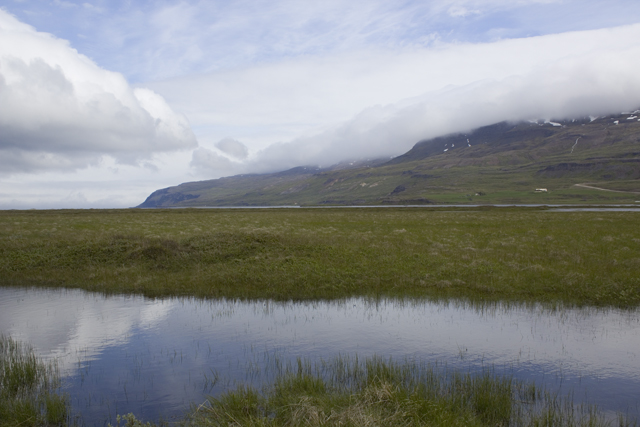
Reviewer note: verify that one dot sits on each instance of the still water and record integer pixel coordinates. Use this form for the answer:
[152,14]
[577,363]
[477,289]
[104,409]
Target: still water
[154,358]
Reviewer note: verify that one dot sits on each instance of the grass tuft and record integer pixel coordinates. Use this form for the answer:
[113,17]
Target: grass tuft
[29,388]
[386,393]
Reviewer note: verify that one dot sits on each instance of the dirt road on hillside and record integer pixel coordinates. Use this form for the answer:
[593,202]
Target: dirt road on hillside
[605,189]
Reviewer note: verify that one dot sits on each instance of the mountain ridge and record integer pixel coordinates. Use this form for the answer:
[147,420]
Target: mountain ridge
[499,163]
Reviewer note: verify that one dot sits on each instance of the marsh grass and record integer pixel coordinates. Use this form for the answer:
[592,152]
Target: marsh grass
[476,254]
[29,388]
[377,392]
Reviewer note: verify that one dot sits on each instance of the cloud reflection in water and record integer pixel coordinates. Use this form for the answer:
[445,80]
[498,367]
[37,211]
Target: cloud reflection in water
[131,354]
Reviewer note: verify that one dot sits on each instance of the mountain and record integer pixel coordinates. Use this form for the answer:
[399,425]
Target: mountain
[586,160]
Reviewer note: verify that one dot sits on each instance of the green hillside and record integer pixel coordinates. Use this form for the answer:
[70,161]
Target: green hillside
[577,161]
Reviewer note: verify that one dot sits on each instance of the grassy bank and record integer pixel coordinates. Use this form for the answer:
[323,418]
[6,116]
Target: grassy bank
[480,254]
[375,392]
[29,389]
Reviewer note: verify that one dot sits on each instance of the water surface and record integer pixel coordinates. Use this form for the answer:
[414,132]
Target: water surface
[125,354]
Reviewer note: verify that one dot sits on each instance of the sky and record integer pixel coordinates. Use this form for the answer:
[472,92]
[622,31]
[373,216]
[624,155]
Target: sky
[103,102]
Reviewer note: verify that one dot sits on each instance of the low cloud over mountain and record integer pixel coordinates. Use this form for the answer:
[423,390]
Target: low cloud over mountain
[573,75]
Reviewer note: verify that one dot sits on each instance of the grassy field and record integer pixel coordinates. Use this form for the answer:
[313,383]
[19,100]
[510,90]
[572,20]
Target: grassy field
[477,254]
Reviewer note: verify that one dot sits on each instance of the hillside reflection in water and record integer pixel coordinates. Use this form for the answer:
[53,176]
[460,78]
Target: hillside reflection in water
[125,354]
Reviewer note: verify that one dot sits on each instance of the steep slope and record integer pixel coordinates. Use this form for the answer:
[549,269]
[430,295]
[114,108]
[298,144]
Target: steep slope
[575,160]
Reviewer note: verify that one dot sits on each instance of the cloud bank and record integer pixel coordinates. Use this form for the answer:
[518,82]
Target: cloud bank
[573,75]
[60,111]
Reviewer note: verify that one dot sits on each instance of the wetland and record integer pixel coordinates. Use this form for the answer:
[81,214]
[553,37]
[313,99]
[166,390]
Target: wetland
[151,312]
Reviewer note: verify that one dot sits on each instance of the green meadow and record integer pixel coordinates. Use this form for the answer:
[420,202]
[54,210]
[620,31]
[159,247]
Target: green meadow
[477,254]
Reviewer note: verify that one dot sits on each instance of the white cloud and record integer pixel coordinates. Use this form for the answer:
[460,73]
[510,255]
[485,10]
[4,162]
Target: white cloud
[206,161]
[60,111]
[463,86]
[572,88]
[233,147]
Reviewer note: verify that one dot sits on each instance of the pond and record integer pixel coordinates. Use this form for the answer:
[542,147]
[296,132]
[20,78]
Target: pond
[154,358]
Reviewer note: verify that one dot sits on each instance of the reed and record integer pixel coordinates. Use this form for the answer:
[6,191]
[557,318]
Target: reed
[29,388]
[376,392]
